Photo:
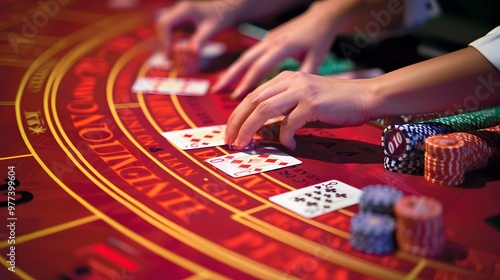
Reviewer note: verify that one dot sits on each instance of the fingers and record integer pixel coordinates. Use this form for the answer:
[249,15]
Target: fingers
[257,70]
[236,70]
[297,118]
[166,23]
[250,103]
[314,58]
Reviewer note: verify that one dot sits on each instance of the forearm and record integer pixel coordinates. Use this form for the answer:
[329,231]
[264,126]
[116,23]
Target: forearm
[463,79]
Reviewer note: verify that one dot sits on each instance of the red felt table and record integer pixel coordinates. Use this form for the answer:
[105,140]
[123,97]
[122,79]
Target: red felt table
[101,194]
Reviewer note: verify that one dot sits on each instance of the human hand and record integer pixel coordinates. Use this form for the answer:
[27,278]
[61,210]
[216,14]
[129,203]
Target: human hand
[202,14]
[302,98]
[307,37]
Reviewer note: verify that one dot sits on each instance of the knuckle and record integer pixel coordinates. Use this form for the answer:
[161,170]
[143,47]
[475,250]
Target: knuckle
[253,99]
[264,108]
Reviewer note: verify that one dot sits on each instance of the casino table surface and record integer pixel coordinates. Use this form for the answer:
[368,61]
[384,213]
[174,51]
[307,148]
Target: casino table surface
[93,191]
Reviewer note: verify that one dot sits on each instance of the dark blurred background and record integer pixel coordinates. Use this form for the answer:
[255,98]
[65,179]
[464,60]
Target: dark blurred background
[460,23]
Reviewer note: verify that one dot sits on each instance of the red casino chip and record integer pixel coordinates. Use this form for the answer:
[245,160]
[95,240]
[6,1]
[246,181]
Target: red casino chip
[419,228]
[186,61]
[443,146]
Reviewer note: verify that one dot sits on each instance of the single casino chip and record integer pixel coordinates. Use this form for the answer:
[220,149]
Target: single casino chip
[379,199]
[372,233]
[249,147]
[420,228]
[443,146]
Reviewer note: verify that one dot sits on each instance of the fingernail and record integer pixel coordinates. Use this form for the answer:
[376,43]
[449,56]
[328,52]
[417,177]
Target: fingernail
[236,93]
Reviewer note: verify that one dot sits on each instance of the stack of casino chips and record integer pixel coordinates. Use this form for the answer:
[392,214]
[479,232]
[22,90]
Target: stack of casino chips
[416,118]
[404,145]
[372,230]
[186,60]
[420,228]
[449,157]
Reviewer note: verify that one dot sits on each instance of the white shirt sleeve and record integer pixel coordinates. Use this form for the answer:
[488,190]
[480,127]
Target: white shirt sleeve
[489,46]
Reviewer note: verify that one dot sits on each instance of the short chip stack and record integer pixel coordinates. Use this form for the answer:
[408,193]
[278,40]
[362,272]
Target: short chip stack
[404,144]
[449,157]
[419,223]
[186,60]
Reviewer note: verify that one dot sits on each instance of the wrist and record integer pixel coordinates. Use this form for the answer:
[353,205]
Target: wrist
[376,98]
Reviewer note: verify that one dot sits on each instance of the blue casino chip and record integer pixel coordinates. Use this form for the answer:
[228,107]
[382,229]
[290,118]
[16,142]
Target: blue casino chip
[372,233]
[379,199]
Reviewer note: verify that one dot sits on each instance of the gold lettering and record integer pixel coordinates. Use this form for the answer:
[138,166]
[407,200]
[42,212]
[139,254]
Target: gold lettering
[182,205]
[100,133]
[153,189]
[123,160]
[136,174]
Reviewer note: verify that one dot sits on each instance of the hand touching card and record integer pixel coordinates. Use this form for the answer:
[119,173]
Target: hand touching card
[318,199]
[247,163]
[195,138]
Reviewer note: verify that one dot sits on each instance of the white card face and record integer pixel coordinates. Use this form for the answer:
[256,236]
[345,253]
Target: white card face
[213,50]
[158,60]
[318,199]
[210,50]
[196,138]
[253,162]
[178,86]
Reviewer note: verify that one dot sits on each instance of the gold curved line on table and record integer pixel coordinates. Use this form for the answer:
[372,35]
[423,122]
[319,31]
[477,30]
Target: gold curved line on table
[206,246]
[420,262]
[150,118]
[18,272]
[104,184]
[187,119]
[298,242]
[51,230]
[166,254]
[44,57]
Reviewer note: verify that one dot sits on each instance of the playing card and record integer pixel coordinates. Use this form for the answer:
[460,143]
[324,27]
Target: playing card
[196,138]
[211,49]
[178,86]
[318,199]
[158,60]
[252,162]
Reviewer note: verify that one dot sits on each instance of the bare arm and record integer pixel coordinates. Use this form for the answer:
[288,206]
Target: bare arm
[464,78]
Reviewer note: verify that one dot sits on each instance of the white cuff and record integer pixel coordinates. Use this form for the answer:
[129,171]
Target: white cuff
[489,46]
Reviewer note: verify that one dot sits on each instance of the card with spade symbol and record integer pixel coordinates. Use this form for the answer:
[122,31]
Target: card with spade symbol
[318,199]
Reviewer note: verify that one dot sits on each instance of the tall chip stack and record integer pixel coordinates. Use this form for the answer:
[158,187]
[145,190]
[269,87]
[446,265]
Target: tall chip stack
[449,157]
